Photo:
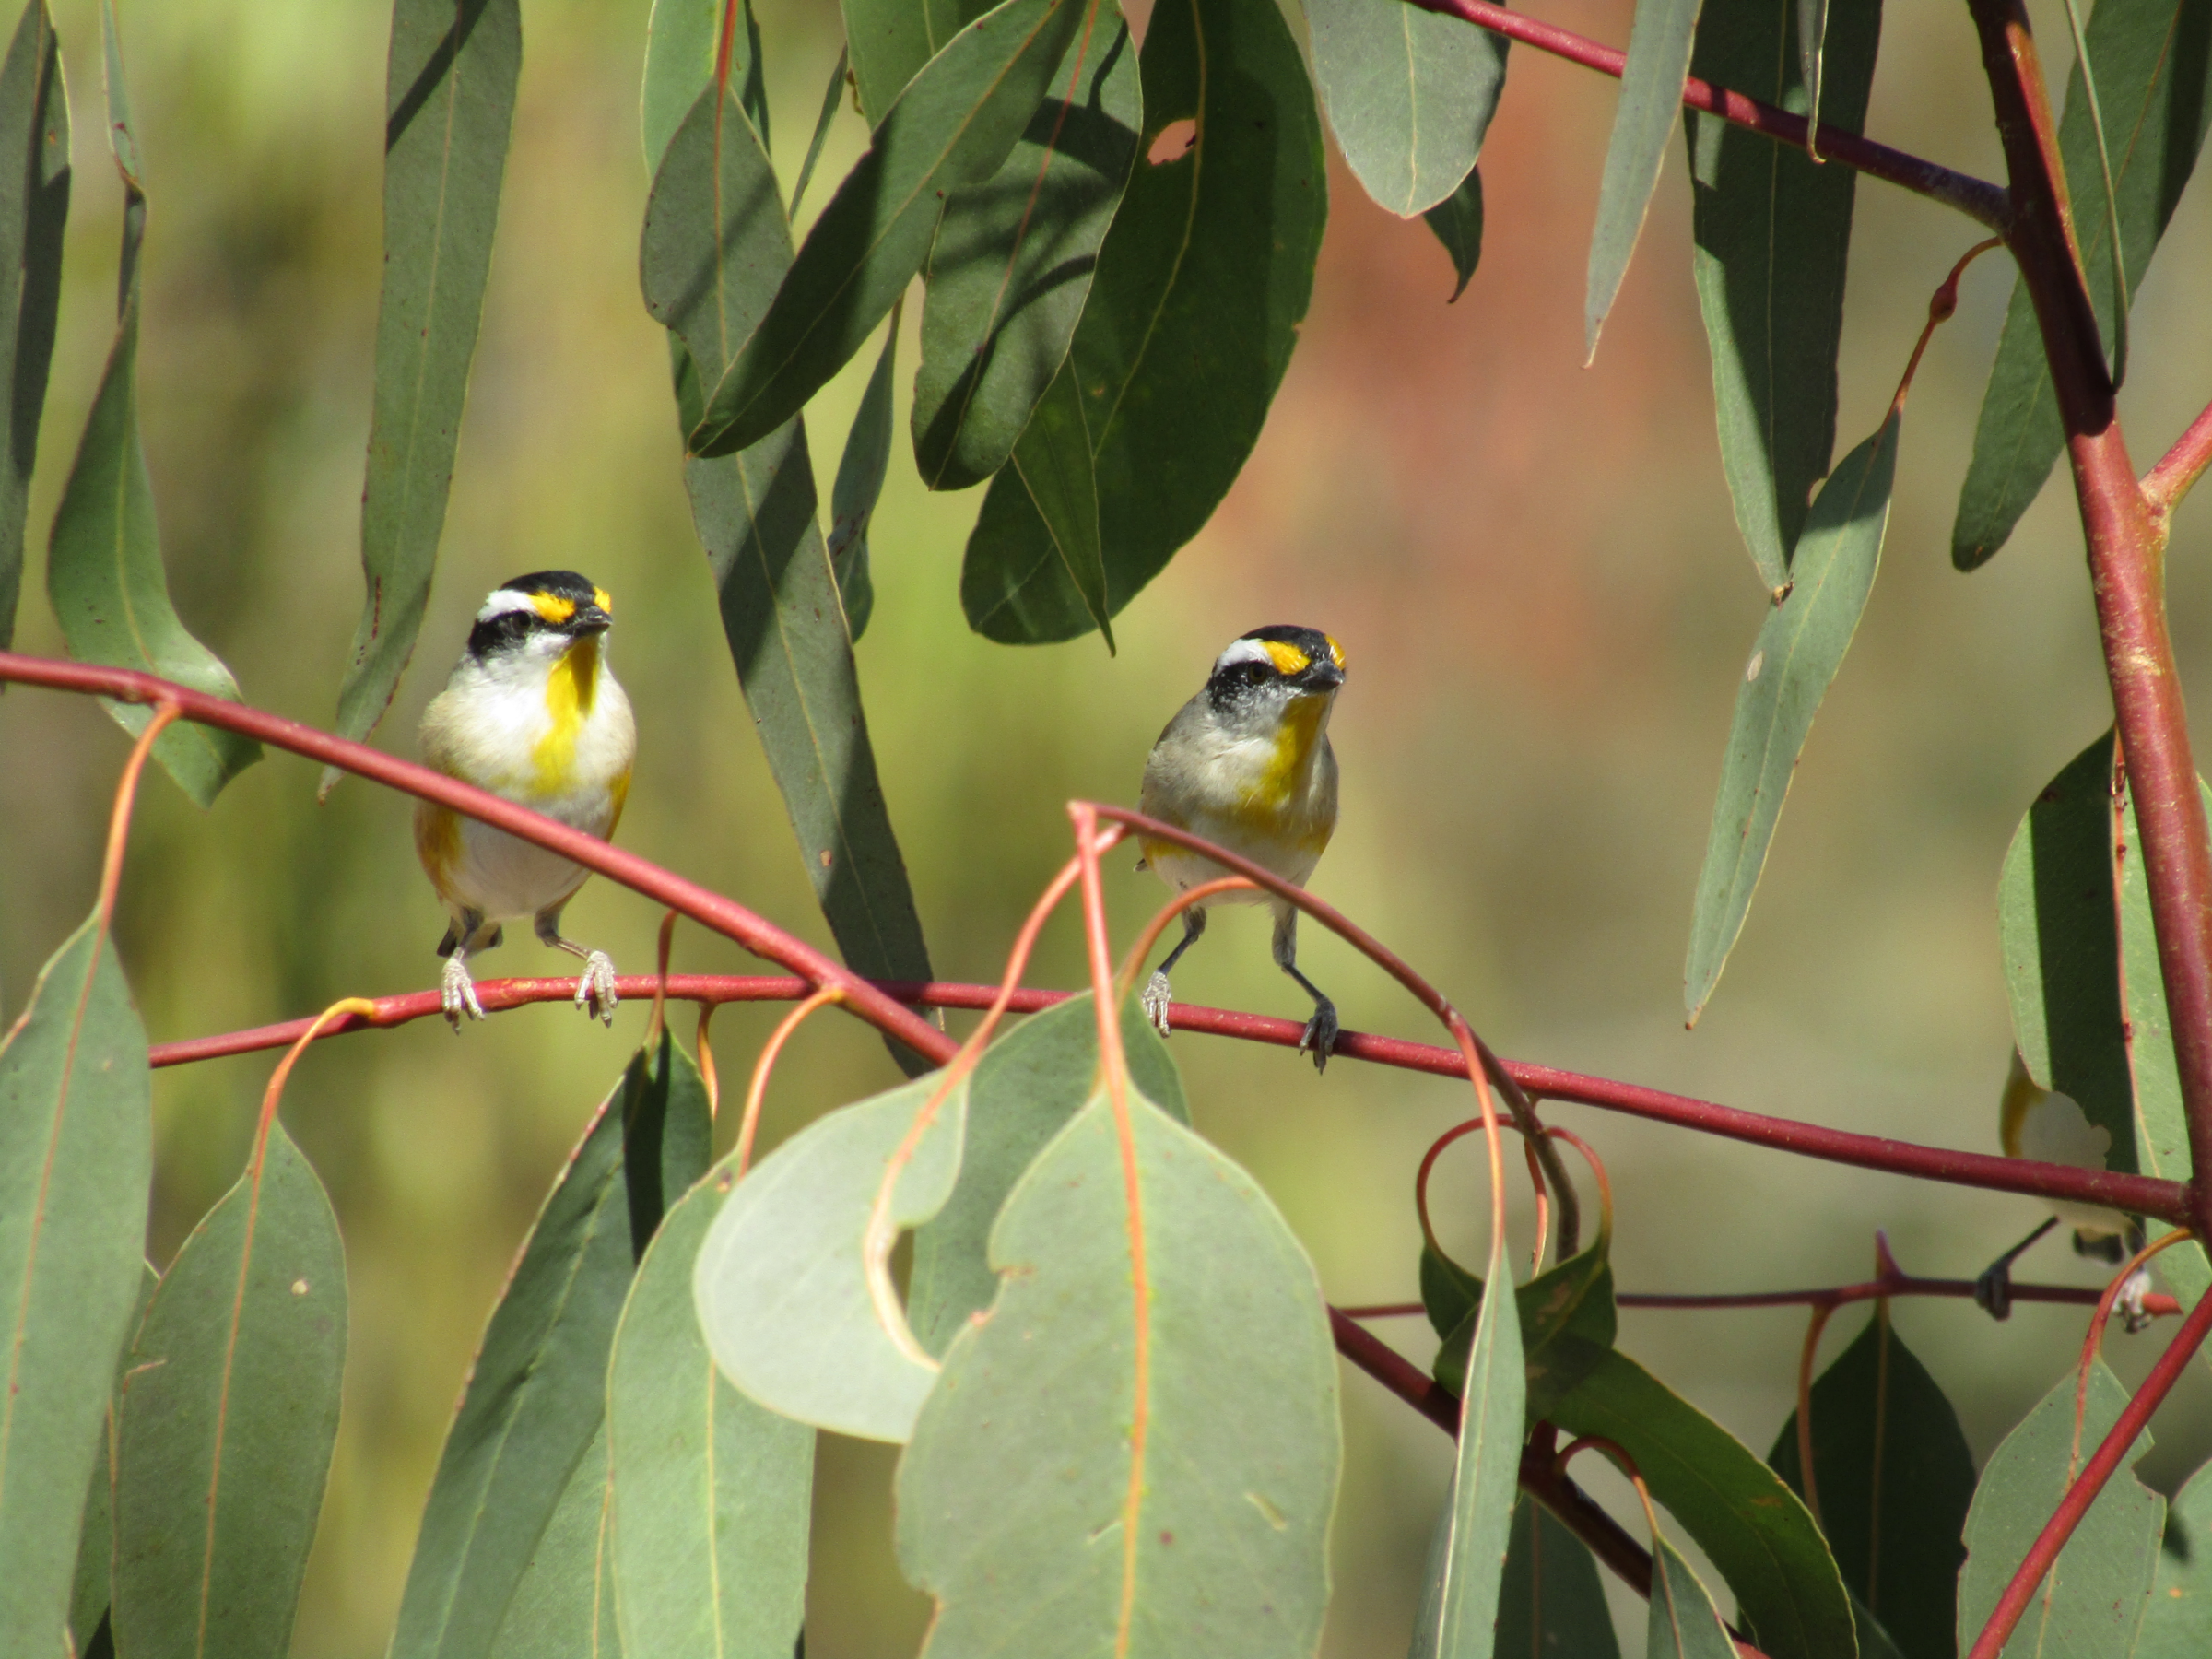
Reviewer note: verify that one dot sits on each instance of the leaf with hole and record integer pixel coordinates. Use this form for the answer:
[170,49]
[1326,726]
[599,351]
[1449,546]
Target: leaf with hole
[1643,121]
[1410,94]
[34,208]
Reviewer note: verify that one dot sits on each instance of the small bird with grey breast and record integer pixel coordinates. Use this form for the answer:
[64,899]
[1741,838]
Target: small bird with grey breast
[1247,764]
[534,714]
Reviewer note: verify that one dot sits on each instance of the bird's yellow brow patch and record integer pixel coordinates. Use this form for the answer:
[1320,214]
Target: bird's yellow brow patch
[1336,652]
[553,607]
[603,600]
[1288,659]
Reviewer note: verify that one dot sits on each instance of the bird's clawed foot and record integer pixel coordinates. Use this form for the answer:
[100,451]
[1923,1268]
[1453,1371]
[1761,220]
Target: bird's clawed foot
[1155,1001]
[457,992]
[596,992]
[2128,1304]
[1320,1033]
[1993,1290]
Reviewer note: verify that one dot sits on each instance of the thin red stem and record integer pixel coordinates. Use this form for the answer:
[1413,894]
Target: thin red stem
[1977,198]
[2169,481]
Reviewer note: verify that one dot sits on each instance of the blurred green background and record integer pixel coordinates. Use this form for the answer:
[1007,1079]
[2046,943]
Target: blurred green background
[1533,568]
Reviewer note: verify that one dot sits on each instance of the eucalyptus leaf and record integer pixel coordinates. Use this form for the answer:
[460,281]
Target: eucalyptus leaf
[34,208]
[1643,122]
[1410,94]
[1683,1623]
[860,474]
[2178,1623]
[1457,221]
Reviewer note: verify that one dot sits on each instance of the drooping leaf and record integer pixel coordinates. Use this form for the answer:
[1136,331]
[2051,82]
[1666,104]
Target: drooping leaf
[103,561]
[2154,70]
[716,244]
[555,1612]
[1753,1526]
[1773,236]
[2178,1623]
[889,41]
[1457,221]
[683,38]
[2085,66]
[1054,463]
[1567,1319]
[1800,646]
[77,1153]
[1410,94]
[34,207]
[831,96]
[1682,1622]
[229,1414]
[449,106]
[1023,1091]
[781,1282]
[1894,1479]
[711,1493]
[1643,121]
[95,1540]
[1812,35]
[1176,1495]
[860,474]
[1013,259]
[1201,284]
[1550,1602]
[2093,1601]
[537,1394]
[950,128]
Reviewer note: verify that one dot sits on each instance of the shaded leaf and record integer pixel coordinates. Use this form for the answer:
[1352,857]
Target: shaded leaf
[2178,1623]
[1812,35]
[889,40]
[1773,237]
[1566,1317]
[716,246]
[229,1417]
[557,1611]
[2154,70]
[2094,1600]
[1894,1479]
[952,127]
[683,38]
[77,1152]
[832,95]
[1202,282]
[1800,646]
[449,106]
[95,1540]
[1651,95]
[1550,1602]
[1054,462]
[1457,221]
[1683,1623]
[1022,1093]
[34,207]
[710,1492]
[1753,1526]
[781,1282]
[1013,260]
[1204,1530]
[860,473]
[1410,95]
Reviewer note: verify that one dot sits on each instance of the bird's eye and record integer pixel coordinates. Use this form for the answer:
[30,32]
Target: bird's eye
[1251,674]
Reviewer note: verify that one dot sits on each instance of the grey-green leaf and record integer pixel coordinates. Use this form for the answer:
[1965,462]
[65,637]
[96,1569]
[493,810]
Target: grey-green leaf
[1013,260]
[2178,1623]
[889,40]
[832,95]
[2154,70]
[1201,284]
[96,1543]
[34,207]
[1457,222]
[1024,1090]
[1176,1495]
[555,1611]
[1800,646]
[1773,236]
[77,1153]
[950,128]
[1550,1602]
[449,107]
[229,1414]
[860,474]
[1683,1623]
[2093,1600]
[1643,121]
[1410,94]
[1894,1479]
[715,247]
[1057,471]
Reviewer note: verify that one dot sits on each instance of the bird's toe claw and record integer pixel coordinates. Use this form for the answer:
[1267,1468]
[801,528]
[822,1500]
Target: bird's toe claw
[1993,1291]
[596,992]
[2128,1304]
[457,993]
[1155,1002]
[1321,1034]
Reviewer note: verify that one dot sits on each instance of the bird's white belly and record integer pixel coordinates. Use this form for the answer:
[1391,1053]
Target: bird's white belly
[1182,871]
[501,876]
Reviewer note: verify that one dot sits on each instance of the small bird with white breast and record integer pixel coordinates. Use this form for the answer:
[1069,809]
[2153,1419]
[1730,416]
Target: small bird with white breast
[531,713]
[1247,764]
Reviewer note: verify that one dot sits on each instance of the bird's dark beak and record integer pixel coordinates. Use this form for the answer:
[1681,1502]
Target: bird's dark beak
[590,619]
[1323,677]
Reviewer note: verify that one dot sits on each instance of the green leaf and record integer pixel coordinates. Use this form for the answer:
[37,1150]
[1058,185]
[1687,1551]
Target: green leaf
[1175,1497]
[1566,1317]
[77,1153]
[832,95]
[1753,1526]
[1024,1090]
[95,1540]
[1895,1479]
[1550,1602]
[2154,69]
[1773,237]
[1812,35]
[229,1414]
[1201,284]
[2178,1623]
[1800,646]
[1013,259]
[1457,221]
[1410,95]
[952,127]
[889,41]
[1054,463]
[781,1282]
[449,106]
[34,207]
[557,1612]
[712,1493]
[860,473]
[2093,1600]
[537,1394]
[716,246]
[683,38]
[1651,95]
[104,564]
[1683,1624]
[2086,68]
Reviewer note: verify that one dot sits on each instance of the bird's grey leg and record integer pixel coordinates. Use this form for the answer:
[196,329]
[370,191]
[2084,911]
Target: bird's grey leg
[1319,1038]
[456,991]
[1993,1290]
[1155,999]
[595,990]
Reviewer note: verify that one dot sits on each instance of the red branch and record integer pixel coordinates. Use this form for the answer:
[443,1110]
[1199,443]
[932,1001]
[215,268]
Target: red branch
[1977,198]
[2170,480]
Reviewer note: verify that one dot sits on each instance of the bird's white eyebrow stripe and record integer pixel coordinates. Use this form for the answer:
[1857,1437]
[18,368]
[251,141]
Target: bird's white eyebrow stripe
[505,600]
[1243,650]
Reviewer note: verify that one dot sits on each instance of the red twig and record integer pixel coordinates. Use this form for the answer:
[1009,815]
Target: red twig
[1977,198]
[2156,1304]
[2178,468]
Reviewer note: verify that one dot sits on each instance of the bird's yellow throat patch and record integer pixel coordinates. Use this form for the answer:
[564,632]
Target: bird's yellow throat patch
[1279,784]
[570,690]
